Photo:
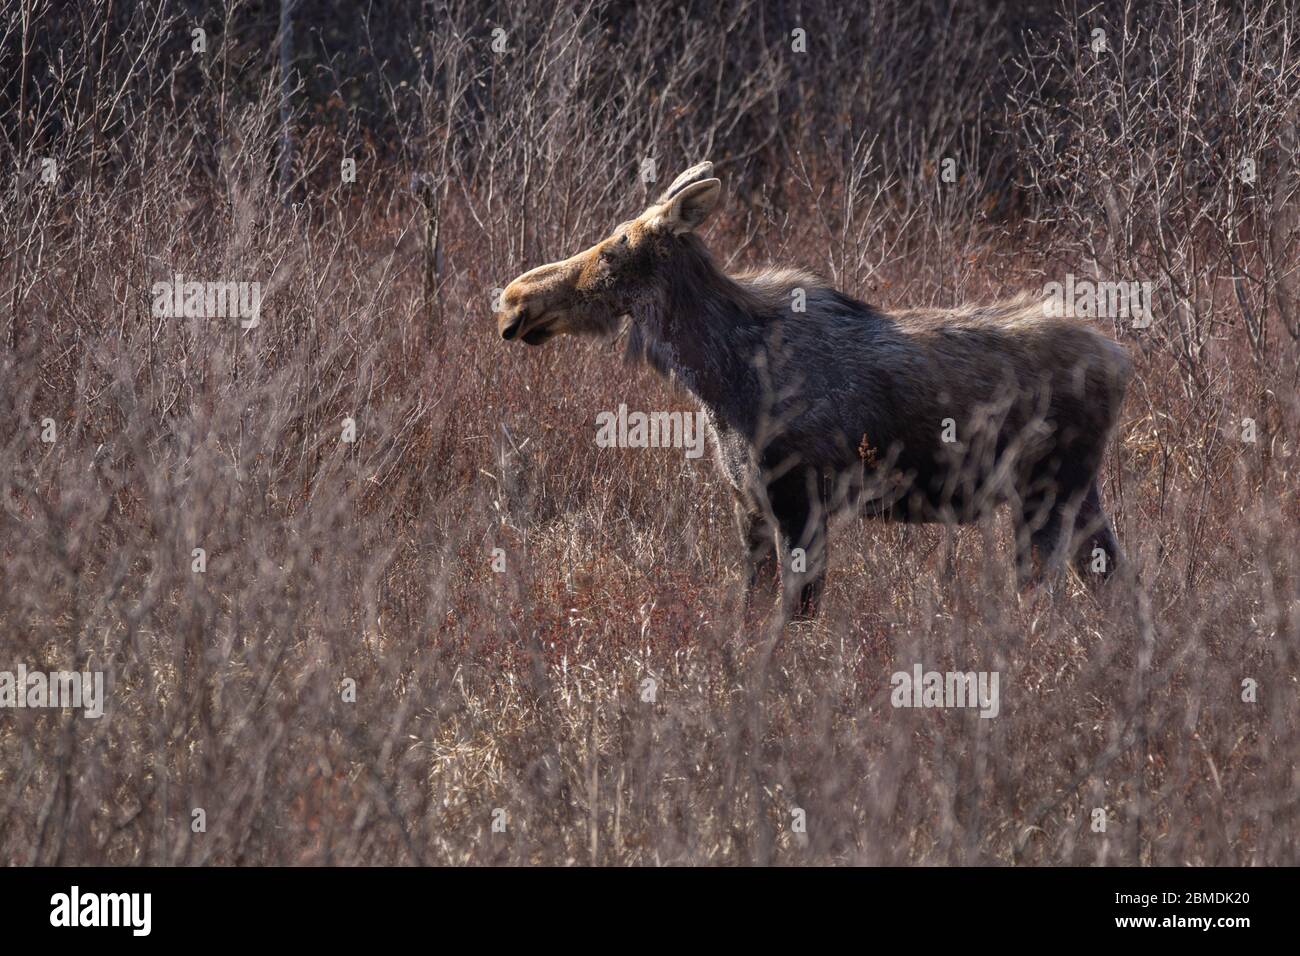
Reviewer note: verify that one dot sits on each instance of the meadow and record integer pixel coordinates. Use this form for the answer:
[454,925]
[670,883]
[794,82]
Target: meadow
[363,585]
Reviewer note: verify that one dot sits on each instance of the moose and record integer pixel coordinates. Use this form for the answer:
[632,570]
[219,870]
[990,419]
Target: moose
[816,401]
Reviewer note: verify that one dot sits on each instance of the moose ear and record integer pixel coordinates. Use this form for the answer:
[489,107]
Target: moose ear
[688,208]
[697,173]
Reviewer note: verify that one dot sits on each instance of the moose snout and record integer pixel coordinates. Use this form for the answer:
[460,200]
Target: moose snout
[510,322]
[514,314]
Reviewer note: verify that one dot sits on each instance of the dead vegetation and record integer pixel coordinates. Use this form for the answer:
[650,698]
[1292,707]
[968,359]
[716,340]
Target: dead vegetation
[525,690]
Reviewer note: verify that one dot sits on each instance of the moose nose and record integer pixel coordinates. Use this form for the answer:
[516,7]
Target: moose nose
[511,323]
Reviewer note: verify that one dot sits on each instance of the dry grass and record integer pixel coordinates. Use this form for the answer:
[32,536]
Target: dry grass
[523,691]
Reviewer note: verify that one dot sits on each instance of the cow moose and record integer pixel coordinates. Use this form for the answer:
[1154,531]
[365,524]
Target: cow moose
[816,401]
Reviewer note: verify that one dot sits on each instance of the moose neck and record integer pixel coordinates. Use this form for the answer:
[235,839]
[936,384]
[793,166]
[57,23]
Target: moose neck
[700,330]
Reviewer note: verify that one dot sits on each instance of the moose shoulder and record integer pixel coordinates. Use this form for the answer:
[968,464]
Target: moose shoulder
[818,401]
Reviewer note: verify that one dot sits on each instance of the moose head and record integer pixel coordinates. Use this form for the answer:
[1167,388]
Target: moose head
[590,292]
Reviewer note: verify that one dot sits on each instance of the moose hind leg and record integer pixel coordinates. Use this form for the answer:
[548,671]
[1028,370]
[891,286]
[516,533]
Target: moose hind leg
[1041,536]
[1037,526]
[1047,543]
[1097,551]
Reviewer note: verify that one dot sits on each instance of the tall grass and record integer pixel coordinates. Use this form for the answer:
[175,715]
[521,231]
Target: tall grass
[603,696]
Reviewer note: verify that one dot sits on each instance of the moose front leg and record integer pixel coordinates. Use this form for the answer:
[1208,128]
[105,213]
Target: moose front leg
[758,539]
[801,524]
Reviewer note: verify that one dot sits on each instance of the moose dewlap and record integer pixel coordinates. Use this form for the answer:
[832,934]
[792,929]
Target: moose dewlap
[815,401]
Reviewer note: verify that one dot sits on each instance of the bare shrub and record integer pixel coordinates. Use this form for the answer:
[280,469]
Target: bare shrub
[603,690]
